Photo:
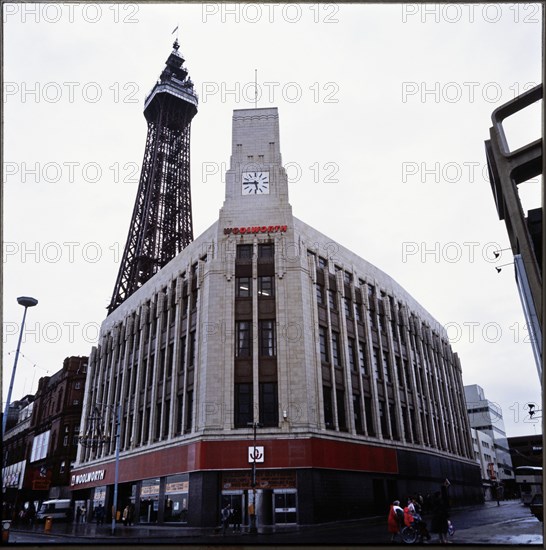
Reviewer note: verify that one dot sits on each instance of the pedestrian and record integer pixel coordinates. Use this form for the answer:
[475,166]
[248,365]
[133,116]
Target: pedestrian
[78,514]
[499,491]
[226,514]
[99,514]
[237,517]
[395,519]
[31,514]
[418,523]
[84,512]
[440,517]
[125,516]
[131,515]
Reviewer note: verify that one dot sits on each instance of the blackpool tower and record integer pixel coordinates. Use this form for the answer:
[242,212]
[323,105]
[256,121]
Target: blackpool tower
[161,224]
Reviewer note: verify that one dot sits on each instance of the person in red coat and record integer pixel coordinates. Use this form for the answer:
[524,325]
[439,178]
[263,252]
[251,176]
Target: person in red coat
[395,519]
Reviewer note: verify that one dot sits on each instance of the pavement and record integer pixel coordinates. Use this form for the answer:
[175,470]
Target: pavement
[508,524]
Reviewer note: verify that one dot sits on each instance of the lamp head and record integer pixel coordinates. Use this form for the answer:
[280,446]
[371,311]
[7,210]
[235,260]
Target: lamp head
[27,301]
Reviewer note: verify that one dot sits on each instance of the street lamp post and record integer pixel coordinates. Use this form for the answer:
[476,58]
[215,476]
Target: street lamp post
[253,528]
[95,439]
[26,302]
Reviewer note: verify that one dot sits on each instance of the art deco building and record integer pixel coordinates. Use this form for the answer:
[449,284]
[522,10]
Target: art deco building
[264,325]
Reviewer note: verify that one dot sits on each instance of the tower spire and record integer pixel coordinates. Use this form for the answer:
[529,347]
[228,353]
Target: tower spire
[161,224]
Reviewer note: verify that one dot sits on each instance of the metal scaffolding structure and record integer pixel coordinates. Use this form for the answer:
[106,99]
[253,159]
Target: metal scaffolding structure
[161,224]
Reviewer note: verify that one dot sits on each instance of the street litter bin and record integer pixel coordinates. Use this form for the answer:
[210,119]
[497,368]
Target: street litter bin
[6,524]
[48,524]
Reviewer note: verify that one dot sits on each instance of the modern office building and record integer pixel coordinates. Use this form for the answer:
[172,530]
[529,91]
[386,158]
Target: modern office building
[486,456]
[265,350]
[486,416]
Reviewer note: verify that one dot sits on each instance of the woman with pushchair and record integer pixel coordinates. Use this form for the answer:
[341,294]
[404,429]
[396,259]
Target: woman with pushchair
[412,517]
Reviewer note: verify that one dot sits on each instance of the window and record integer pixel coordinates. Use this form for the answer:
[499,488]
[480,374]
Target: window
[336,353]
[386,370]
[244,251]
[320,294]
[179,412]
[383,418]
[161,366]
[323,262]
[371,318]
[151,370]
[169,360]
[189,410]
[269,415]
[192,349]
[243,405]
[243,344]
[362,357]
[182,357]
[341,416]
[194,294]
[348,308]
[352,354]
[369,417]
[61,469]
[323,345]
[347,277]
[266,287]
[267,338]
[394,427]
[76,435]
[376,368]
[266,250]
[243,287]
[76,402]
[77,385]
[328,416]
[157,433]
[358,414]
[40,444]
[358,314]
[332,299]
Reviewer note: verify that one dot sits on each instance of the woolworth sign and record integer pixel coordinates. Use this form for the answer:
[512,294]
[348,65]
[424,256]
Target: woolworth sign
[97,475]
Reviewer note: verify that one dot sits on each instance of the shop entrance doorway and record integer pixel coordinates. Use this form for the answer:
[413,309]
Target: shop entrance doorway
[285,506]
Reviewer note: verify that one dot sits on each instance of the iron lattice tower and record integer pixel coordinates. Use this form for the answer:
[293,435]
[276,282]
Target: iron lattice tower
[161,225]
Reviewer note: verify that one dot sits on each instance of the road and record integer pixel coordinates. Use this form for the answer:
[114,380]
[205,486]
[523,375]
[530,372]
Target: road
[509,523]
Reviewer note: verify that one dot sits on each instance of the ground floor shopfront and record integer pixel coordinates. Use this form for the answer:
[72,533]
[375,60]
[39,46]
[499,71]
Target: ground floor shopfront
[320,481]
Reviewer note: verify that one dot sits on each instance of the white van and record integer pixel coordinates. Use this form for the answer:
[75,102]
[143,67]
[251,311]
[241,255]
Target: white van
[57,509]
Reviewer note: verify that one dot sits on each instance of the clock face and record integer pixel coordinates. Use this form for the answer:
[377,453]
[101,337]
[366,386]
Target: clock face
[255,183]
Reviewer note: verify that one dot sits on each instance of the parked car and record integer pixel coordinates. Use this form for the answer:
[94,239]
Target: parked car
[536,507]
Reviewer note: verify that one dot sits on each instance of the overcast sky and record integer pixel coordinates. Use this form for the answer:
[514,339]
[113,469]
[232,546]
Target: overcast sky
[383,114]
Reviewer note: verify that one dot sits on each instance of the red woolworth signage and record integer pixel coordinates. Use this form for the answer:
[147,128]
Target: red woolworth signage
[255,229]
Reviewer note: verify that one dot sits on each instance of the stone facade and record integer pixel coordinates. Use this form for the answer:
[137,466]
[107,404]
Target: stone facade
[263,322]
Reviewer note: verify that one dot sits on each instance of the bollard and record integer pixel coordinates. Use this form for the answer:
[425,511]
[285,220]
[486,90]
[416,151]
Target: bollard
[48,523]
[6,524]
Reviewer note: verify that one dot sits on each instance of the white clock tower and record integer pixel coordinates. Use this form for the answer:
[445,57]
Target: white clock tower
[256,182]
